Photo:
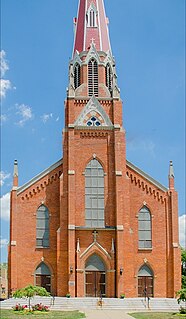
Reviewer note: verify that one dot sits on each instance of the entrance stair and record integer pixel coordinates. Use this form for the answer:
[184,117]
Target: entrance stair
[127,304]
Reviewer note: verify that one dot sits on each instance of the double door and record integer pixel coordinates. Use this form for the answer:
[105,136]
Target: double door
[44,281]
[145,286]
[95,282]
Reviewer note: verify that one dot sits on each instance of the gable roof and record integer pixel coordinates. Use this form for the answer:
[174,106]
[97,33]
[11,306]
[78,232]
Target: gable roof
[60,162]
[39,176]
[146,176]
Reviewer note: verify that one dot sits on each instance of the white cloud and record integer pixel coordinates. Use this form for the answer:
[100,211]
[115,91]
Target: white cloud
[3,177]
[5,207]
[182,230]
[5,85]
[57,119]
[25,112]
[46,117]
[3,118]
[3,63]
[3,242]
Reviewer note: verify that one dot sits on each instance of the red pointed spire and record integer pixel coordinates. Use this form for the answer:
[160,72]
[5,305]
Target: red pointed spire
[91,26]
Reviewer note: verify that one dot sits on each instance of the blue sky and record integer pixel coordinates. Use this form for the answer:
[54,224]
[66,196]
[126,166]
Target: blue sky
[148,42]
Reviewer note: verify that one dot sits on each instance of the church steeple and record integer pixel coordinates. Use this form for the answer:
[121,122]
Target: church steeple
[92,70]
[91,25]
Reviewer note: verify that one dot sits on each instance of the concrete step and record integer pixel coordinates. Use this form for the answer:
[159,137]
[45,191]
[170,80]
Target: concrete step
[127,304]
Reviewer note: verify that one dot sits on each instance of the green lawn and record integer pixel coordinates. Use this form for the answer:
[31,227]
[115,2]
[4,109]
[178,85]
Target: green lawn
[6,314]
[157,315]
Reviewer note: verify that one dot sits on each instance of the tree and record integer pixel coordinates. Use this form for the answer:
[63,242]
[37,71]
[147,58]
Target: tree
[182,295]
[29,292]
[183,259]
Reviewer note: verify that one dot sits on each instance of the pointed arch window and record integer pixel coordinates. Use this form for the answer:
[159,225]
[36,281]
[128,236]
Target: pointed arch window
[93,77]
[77,75]
[94,195]
[91,17]
[42,227]
[108,77]
[144,228]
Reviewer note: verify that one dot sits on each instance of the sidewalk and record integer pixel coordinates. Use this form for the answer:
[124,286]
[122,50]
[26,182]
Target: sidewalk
[107,314]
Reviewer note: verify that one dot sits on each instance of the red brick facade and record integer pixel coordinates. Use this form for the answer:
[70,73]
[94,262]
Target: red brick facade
[61,189]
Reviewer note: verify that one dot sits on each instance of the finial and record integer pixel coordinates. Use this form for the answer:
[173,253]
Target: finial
[171,175]
[15,175]
[78,246]
[112,247]
[171,170]
[15,168]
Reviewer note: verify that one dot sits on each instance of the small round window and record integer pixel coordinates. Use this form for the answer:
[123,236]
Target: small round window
[93,121]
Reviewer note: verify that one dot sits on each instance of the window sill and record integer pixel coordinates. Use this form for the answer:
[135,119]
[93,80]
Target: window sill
[41,247]
[145,249]
[95,228]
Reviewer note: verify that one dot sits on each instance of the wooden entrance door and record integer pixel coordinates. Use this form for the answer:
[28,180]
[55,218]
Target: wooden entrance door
[145,282]
[95,283]
[44,281]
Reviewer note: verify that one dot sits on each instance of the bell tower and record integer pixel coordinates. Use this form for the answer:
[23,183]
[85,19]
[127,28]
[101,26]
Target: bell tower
[94,160]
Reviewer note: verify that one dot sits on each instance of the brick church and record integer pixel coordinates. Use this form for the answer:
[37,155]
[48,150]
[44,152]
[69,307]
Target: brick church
[93,223]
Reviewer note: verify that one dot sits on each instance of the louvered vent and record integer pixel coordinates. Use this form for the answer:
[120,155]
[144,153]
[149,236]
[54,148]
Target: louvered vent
[77,76]
[93,78]
[108,77]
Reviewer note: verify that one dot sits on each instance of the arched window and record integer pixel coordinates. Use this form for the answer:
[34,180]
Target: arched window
[93,77]
[42,227]
[43,276]
[145,282]
[91,18]
[144,228]
[108,77]
[77,75]
[94,195]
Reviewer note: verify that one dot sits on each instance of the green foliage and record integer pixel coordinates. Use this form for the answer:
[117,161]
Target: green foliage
[10,314]
[183,259]
[182,295]
[183,311]
[30,291]
[159,315]
[183,281]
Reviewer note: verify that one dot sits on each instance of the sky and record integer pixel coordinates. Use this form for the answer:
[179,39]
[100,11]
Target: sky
[148,42]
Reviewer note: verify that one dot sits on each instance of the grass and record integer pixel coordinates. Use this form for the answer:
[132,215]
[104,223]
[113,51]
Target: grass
[157,315]
[6,314]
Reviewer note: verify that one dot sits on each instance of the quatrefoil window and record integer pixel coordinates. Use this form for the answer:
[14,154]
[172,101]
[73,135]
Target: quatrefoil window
[93,121]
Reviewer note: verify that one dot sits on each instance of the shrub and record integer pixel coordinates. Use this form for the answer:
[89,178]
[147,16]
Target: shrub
[183,310]
[40,307]
[18,307]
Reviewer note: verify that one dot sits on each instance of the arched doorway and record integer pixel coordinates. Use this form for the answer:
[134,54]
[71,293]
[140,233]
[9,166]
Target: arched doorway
[95,277]
[145,282]
[43,276]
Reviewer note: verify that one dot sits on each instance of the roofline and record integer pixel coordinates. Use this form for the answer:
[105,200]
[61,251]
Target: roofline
[39,176]
[146,176]
[58,163]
